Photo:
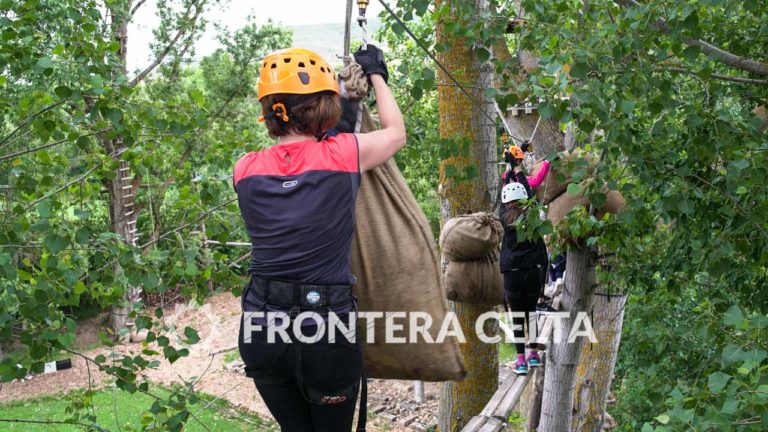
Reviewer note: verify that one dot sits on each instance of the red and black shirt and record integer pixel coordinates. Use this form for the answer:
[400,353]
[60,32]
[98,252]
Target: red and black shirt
[298,204]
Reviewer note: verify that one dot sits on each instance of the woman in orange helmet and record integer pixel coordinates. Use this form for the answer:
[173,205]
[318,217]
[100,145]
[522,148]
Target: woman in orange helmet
[297,199]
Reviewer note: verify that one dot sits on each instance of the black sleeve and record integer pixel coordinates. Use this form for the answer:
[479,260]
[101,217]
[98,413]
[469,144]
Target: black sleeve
[520,178]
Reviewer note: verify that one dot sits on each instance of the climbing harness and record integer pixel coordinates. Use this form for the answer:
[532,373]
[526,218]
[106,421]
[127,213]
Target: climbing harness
[304,297]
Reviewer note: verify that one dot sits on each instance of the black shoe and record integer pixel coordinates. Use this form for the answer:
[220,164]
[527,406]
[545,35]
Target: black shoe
[545,308]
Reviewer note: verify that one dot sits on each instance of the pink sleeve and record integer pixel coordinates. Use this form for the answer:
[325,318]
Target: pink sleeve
[536,180]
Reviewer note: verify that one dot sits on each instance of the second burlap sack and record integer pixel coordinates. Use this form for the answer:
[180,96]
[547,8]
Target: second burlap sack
[477,281]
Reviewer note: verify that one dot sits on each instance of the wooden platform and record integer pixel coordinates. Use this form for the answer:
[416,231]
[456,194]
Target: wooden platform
[495,414]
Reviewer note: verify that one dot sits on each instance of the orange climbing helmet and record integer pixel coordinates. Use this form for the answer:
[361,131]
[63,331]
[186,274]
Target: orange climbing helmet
[516,152]
[295,71]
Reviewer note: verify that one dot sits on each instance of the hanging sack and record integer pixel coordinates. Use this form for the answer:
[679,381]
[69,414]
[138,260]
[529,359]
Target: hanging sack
[394,257]
[477,281]
[552,187]
[471,236]
[559,208]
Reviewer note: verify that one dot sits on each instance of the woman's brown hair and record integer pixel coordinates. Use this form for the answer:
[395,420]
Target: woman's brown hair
[311,114]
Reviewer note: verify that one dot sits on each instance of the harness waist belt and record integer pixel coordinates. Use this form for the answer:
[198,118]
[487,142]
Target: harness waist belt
[301,295]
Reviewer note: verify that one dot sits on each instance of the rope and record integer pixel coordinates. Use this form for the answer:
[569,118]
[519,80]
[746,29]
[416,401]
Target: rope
[355,81]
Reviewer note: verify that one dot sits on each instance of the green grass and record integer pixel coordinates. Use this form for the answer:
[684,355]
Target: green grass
[116,406]
[507,352]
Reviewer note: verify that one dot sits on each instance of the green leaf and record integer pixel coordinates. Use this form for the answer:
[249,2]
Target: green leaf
[482,55]
[574,189]
[663,419]
[55,243]
[198,97]
[150,280]
[44,209]
[192,336]
[83,235]
[733,316]
[67,339]
[718,381]
[45,63]
[63,92]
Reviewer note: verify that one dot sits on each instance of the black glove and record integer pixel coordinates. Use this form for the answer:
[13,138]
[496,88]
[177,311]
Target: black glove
[372,61]
[508,158]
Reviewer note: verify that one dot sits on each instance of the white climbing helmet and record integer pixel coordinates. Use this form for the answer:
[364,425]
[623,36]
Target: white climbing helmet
[513,192]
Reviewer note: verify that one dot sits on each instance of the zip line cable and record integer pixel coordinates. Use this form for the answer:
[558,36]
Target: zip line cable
[455,81]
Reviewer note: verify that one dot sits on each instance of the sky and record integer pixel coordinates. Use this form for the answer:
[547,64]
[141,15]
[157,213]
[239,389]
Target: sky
[234,14]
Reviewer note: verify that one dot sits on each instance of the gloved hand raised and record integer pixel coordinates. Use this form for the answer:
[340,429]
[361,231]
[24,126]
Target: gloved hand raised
[372,61]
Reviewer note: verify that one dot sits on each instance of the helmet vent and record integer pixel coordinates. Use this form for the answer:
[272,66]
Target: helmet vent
[312,62]
[274,66]
[322,69]
[287,60]
[301,64]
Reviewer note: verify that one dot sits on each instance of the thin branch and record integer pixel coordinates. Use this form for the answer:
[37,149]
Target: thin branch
[30,118]
[55,422]
[68,184]
[712,51]
[735,202]
[181,32]
[202,216]
[718,76]
[49,145]
[136,8]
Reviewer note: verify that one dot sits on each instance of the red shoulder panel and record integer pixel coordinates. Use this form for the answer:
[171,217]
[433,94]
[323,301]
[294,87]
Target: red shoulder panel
[338,153]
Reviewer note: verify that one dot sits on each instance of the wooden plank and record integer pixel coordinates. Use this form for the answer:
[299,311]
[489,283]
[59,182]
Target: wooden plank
[492,425]
[497,397]
[475,423]
[512,397]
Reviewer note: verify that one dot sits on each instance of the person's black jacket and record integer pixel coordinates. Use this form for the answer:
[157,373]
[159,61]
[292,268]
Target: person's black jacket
[522,255]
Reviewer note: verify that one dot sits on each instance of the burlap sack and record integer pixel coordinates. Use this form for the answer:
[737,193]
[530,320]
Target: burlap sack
[560,207]
[477,281]
[471,236]
[394,257]
[551,188]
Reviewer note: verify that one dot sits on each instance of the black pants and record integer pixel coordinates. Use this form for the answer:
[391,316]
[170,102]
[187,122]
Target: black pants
[308,387]
[522,288]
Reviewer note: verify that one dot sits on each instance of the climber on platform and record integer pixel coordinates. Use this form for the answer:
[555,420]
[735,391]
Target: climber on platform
[514,157]
[523,264]
[297,200]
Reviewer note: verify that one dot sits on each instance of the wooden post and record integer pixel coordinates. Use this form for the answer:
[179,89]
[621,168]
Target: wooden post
[597,362]
[418,391]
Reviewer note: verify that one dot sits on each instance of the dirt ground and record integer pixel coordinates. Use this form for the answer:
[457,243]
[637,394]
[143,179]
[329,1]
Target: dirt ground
[213,362]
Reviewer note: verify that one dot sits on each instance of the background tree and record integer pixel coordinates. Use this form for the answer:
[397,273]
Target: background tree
[468,129]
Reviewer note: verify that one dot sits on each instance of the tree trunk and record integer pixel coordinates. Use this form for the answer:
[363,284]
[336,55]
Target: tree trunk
[563,357]
[459,118]
[121,190]
[537,392]
[597,361]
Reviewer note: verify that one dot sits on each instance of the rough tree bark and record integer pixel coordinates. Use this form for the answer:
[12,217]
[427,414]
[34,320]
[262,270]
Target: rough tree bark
[597,361]
[562,357]
[459,118]
[120,187]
